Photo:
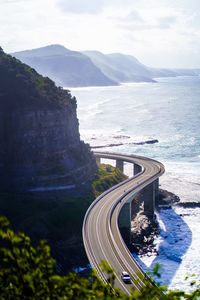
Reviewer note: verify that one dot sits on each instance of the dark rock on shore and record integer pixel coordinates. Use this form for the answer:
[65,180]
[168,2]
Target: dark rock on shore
[126,143]
[166,199]
[151,142]
[144,230]
[189,204]
[146,142]
[143,234]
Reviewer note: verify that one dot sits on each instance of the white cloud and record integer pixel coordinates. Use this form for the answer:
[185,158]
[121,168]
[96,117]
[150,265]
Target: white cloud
[82,6]
[91,6]
[167,22]
[160,34]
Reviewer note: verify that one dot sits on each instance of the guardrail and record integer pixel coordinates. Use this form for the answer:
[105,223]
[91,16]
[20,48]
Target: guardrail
[151,170]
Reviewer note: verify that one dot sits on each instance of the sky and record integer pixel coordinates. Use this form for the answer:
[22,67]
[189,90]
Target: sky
[160,33]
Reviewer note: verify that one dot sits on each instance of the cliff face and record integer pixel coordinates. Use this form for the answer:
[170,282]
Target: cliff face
[39,134]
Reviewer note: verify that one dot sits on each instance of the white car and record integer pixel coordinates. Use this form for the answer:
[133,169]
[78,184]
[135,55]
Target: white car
[126,277]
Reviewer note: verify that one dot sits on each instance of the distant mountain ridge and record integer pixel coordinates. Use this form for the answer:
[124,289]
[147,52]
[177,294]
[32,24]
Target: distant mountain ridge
[67,68]
[120,67]
[92,68]
[127,68]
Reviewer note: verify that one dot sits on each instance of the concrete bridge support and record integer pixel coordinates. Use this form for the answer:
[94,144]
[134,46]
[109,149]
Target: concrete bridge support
[148,197]
[124,222]
[136,169]
[98,160]
[136,205]
[120,165]
[156,182]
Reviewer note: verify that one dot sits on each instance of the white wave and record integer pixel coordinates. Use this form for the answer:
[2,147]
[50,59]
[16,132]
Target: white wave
[183,179]
[159,111]
[178,247]
[102,139]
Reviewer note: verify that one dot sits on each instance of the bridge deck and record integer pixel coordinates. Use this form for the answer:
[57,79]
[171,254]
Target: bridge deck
[101,235]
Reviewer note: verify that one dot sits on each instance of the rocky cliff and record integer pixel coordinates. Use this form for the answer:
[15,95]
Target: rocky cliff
[39,132]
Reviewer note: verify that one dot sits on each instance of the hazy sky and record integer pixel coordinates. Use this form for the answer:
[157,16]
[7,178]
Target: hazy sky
[160,33]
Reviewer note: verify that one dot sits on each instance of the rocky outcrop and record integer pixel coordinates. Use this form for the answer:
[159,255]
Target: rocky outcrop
[166,199]
[39,132]
[144,229]
[143,232]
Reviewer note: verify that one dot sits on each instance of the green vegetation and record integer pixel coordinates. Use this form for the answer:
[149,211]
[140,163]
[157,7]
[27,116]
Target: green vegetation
[27,269]
[28,272]
[57,217]
[53,216]
[107,177]
[22,87]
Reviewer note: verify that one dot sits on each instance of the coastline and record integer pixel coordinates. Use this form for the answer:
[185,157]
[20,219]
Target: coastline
[175,247]
[144,231]
[138,112]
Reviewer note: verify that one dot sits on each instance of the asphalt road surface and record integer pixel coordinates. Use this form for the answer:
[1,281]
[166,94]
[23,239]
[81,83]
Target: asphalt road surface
[101,235]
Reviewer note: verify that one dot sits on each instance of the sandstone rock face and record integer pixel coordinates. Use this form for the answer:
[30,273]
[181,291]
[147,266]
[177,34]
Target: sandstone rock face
[43,148]
[39,138]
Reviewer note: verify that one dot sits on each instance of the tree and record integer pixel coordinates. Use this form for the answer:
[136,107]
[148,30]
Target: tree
[28,272]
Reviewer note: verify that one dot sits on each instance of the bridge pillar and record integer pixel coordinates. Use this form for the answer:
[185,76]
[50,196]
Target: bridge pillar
[136,207]
[136,169]
[156,182]
[124,222]
[148,196]
[120,165]
[98,160]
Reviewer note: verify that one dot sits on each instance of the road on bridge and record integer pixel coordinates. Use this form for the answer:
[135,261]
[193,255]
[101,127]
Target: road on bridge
[101,236]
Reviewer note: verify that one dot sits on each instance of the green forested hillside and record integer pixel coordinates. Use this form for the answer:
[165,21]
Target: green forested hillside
[22,85]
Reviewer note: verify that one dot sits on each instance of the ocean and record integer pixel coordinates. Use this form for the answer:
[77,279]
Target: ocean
[161,121]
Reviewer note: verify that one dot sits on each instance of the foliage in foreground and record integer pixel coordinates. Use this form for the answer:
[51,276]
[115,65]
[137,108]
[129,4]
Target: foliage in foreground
[28,272]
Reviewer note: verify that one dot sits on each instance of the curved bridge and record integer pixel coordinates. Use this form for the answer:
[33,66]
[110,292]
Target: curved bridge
[101,236]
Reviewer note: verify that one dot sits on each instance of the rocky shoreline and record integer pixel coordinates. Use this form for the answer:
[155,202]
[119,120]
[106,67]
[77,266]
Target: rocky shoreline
[153,141]
[144,230]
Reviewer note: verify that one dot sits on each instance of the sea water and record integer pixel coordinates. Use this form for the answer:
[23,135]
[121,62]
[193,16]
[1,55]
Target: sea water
[161,121]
